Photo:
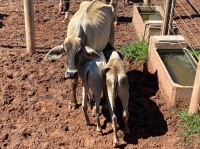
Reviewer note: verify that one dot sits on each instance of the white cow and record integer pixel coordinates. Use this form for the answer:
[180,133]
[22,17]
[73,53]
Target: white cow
[66,5]
[117,84]
[93,78]
[89,31]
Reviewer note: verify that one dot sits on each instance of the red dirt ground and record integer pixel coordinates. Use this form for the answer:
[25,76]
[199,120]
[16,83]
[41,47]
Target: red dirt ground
[34,97]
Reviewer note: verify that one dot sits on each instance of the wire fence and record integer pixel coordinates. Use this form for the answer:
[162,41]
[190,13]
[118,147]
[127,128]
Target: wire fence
[186,18]
[50,29]
[189,24]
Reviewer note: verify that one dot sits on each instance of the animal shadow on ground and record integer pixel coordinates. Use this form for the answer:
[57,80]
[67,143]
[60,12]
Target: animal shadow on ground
[135,1]
[193,16]
[122,19]
[145,118]
[1,18]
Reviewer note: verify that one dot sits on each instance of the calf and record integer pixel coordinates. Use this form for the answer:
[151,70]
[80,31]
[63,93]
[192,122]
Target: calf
[117,84]
[93,76]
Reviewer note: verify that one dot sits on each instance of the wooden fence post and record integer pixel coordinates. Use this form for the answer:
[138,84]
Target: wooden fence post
[145,2]
[29,26]
[165,24]
[195,99]
[171,17]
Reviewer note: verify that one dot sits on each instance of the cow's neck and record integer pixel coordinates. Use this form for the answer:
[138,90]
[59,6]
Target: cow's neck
[79,33]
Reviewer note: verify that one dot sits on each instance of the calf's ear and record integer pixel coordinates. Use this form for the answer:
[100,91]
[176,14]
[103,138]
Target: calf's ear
[89,52]
[55,53]
[120,54]
[107,69]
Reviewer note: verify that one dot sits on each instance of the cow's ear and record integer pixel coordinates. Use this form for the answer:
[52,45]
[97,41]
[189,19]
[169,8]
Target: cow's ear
[55,53]
[89,52]
[120,54]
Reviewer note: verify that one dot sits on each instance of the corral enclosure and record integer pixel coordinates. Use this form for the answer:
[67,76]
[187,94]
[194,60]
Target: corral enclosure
[34,97]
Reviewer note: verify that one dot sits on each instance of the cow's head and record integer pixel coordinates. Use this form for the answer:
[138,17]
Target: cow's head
[72,48]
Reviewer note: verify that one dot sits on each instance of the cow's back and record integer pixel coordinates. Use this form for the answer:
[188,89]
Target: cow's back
[94,24]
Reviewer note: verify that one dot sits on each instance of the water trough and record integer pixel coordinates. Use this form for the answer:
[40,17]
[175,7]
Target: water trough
[147,21]
[175,68]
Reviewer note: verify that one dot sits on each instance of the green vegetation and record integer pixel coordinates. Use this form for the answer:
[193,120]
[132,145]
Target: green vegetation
[137,51]
[195,53]
[190,126]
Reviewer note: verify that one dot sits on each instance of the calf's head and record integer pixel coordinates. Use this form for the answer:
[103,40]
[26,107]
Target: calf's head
[72,48]
[109,50]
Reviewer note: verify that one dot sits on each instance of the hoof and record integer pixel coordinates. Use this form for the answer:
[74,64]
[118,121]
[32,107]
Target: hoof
[64,20]
[106,106]
[87,123]
[100,132]
[72,107]
[93,113]
[126,130]
[116,143]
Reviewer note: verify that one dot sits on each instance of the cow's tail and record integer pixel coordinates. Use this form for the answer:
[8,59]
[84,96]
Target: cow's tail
[111,2]
[115,86]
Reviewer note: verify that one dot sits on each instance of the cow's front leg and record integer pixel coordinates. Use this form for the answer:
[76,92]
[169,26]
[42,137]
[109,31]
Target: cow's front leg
[74,84]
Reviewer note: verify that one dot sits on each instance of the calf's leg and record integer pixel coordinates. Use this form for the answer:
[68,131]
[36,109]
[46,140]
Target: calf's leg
[111,105]
[97,102]
[84,104]
[123,93]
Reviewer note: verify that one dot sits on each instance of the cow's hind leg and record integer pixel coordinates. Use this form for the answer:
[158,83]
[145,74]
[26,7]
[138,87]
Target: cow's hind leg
[84,105]
[66,9]
[123,93]
[114,126]
[66,16]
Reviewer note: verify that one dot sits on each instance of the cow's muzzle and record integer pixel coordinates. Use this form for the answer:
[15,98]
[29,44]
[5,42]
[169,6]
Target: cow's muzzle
[71,75]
